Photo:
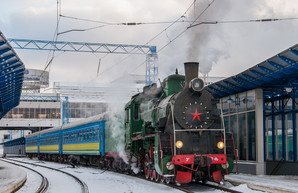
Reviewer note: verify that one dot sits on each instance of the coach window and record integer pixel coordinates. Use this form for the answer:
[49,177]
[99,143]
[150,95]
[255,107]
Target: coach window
[97,133]
[94,134]
[87,131]
[100,134]
[91,134]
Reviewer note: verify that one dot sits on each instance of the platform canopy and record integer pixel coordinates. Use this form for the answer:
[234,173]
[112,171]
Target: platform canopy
[279,72]
[11,77]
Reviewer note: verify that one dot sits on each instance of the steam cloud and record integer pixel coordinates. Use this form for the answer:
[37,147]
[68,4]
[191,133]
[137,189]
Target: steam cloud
[116,114]
[206,43]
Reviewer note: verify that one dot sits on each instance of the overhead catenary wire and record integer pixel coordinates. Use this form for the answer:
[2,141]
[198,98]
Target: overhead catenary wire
[193,23]
[55,38]
[181,32]
[158,34]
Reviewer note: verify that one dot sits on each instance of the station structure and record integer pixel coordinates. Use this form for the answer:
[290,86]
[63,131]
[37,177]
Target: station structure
[260,108]
[11,76]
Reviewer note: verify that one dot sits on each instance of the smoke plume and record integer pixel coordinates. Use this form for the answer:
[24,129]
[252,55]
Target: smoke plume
[206,41]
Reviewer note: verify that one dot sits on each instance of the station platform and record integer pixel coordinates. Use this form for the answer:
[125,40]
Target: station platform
[265,183]
[11,177]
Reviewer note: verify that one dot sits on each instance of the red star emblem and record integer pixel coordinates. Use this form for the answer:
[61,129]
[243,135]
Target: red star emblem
[196,115]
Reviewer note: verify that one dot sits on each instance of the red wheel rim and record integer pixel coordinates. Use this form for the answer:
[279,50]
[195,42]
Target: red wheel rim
[146,173]
[157,176]
[151,172]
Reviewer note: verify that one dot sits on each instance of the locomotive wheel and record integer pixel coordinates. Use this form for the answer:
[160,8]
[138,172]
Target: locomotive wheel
[146,172]
[162,179]
[146,167]
[157,176]
[168,180]
[151,172]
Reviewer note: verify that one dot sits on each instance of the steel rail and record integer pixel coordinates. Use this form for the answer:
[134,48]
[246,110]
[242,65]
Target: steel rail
[82,184]
[44,183]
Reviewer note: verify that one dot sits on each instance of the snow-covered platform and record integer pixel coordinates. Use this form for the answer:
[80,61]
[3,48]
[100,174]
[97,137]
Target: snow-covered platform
[11,177]
[266,183]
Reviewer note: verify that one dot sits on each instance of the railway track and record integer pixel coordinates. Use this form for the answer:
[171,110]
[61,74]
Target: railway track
[188,188]
[45,183]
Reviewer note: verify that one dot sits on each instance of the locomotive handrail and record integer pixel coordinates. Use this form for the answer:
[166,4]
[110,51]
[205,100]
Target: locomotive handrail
[223,126]
[174,128]
[200,130]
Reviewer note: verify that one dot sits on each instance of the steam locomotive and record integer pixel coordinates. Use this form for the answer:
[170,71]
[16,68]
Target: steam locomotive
[176,130]
[171,133]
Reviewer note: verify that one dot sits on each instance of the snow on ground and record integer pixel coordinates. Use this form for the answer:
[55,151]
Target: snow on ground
[33,182]
[105,181]
[57,180]
[244,188]
[283,183]
[109,182]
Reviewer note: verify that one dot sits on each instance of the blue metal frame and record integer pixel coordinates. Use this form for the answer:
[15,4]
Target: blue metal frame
[273,132]
[63,99]
[150,51]
[280,97]
[283,130]
[275,72]
[264,129]
[65,111]
[294,127]
[12,72]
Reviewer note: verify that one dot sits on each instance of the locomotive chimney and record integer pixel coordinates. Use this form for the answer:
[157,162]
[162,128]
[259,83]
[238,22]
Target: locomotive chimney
[191,72]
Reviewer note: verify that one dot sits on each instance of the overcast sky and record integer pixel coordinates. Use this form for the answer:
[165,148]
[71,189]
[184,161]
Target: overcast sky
[223,49]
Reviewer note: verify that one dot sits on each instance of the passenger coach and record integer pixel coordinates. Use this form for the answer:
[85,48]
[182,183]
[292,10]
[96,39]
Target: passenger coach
[83,139]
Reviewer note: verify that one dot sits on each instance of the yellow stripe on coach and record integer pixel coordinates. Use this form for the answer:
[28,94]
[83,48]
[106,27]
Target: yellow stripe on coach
[81,146]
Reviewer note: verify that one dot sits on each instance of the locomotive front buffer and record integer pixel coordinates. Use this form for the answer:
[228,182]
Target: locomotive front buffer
[194,165]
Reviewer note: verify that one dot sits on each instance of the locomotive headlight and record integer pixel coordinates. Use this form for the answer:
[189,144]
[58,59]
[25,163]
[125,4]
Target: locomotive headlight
[196,84]
[220,145]
[179,144]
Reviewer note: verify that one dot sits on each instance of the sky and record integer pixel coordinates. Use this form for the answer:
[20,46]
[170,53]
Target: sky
[222,49]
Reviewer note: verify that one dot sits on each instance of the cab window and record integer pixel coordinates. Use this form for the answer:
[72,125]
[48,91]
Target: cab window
[136,112]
